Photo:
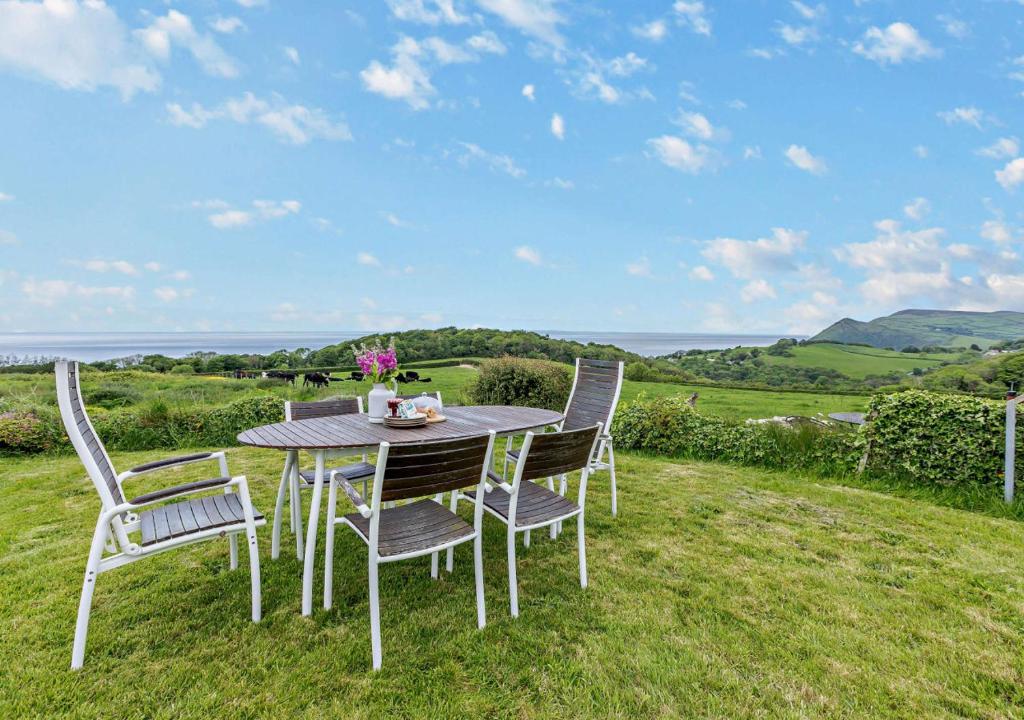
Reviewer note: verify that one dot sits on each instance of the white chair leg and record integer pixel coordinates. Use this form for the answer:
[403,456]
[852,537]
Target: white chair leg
[433,565]
[504,467]
[553,529]
[254,552]
[611,470]
[583,550]
[526,539]
[513,591]
[233,544]
[449,563]
[309,554]
[478,569]
[92,571]
[297,505]
[275,539]
[332,499]
[374,615]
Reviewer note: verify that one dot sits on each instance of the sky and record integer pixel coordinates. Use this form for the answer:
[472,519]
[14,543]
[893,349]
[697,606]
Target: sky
[689,166]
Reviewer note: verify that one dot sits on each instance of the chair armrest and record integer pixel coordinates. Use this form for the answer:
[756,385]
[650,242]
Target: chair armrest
[183,489]
[353,494]
[499,481]
[169,462]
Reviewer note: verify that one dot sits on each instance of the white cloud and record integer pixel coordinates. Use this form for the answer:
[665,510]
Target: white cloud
[408,77]
[560,183]
[152,266]
[752,152]
[692,14]
[6,197]
[166,294]
[1012,175]
[262,210]
[798,35]
[295,124]
[917,208]
[679,154]
[121,266]
[954,27]
[536,18]
[895,44]
[1007,147]
[809,13]
[558,126]
[626,65]
[500,163]
[921,151]
[964,115]
[528,255]
[176,28]
[697,125]
[896,248]
[997,231]
[487,42]
[365,258]
[750,258]
[702,273]
[443,12]
[292,54]
[802,158]
[253,3]
[529,92]
[395,221]
[50,292]
[8,238]
[227,25]
[180,275]
[77,45]
[640,267]
[655,30]
[756,290]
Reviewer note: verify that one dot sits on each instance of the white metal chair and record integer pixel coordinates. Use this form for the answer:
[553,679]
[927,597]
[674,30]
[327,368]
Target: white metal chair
[295,480]
[129,530]
[596,387]
[525,505]
[423,527]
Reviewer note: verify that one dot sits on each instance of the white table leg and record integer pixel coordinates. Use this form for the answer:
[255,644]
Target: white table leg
[311,530]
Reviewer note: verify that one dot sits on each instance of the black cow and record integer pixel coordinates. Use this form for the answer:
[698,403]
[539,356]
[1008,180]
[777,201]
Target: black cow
[412,375]
[316,379]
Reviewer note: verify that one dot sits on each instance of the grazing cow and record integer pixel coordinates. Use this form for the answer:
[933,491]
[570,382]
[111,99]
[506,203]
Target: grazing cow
[356,375]
[692,401]
[288,377]
[316,379]
[401,378]
[412,375]
[424,379]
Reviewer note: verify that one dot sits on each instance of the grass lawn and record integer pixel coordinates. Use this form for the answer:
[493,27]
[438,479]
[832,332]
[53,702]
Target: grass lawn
[30,390]
[720,591]
[858,362]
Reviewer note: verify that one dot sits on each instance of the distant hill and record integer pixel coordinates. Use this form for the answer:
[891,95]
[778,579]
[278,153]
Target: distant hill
[923,328]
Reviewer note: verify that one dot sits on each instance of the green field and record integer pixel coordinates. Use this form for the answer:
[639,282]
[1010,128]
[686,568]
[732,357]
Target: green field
[719,592]
[22,391]
[858,362]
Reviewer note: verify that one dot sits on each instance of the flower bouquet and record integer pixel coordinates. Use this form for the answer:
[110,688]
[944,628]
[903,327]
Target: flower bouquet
[379,365]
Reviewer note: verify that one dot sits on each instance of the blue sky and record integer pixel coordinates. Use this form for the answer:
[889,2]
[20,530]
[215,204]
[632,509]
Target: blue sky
[725,165]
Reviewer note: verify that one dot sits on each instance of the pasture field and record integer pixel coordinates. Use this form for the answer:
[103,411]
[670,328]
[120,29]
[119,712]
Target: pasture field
[858,362]
[120,389]
[720,591]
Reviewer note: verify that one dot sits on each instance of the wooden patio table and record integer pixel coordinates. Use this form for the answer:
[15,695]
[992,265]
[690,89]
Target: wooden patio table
[354,434]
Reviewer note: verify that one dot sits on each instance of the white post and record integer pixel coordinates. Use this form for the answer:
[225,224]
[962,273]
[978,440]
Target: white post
[1011,446]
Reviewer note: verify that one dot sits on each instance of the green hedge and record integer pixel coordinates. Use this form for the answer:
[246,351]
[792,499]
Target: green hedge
[939,438]
[153,426]
[517,381]
[670,426]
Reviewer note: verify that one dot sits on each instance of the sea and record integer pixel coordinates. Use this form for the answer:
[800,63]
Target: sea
[90,347]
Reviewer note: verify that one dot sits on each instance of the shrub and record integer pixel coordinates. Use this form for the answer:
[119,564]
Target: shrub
[938,438]
[112,394]
[670,426]
[639,372]
[515,381]
[25,432]
[183,369]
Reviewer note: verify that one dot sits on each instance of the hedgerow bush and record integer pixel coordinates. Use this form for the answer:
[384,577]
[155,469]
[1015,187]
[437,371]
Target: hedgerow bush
[517,381]
[27,432]
[670,426]
[938,438]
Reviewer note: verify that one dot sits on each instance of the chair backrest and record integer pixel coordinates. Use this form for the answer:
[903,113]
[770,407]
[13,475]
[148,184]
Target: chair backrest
[412,471]
[322,408]
[595,393]
[434,395]
[549,454]
[83,437]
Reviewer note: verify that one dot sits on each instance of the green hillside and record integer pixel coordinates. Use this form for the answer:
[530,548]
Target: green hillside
[857,361]
[922,328]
